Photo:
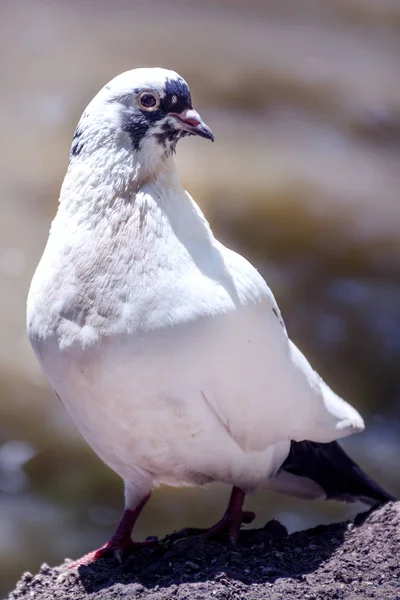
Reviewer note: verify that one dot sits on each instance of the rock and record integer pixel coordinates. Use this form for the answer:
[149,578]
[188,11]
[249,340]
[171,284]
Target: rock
[335,561]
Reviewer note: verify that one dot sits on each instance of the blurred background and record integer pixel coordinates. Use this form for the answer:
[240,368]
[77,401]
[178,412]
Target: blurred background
[304,99]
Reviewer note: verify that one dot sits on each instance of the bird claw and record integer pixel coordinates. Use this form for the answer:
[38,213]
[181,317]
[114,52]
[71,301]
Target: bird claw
[119,551]
[226,525]
[119,555]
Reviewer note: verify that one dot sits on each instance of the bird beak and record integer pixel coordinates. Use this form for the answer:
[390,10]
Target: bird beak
[190,121]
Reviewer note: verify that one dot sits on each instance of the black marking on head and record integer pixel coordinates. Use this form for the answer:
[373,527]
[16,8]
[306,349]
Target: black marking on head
[176,98]
[77,143]
[168,136]
[137,125]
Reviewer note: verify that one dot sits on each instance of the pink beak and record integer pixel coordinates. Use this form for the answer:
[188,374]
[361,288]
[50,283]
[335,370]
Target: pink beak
[191,121]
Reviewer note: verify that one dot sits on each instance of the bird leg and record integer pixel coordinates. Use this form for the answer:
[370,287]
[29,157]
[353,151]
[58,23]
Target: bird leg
[120,544]
[230,523]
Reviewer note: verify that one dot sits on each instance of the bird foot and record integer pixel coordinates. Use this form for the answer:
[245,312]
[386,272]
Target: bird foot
[227,525]
[112,549]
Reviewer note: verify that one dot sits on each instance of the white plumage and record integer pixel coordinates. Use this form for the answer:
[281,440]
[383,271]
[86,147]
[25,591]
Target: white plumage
[167,348]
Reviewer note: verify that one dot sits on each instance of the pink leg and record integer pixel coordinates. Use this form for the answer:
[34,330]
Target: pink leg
[120,543]
[230,523]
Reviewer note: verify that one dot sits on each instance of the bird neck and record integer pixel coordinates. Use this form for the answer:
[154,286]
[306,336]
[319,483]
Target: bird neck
[108,209]
[97,180]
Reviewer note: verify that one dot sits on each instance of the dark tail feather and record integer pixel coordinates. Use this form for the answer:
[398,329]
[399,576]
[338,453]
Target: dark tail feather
[334,471]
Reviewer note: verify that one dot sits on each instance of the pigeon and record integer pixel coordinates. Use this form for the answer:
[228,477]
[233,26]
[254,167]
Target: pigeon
[167,348]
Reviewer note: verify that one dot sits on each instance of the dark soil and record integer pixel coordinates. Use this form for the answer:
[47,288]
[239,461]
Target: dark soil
[349,561]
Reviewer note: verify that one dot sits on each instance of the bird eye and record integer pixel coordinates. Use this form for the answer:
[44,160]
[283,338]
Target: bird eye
[148,101]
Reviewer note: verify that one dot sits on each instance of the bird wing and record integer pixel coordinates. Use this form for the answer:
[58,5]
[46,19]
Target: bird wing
[285,394]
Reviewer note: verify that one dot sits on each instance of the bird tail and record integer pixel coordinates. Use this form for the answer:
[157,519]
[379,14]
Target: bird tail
[317,470]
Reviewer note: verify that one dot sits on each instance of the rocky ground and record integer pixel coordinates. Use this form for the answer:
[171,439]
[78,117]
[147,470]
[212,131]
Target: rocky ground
[348,560]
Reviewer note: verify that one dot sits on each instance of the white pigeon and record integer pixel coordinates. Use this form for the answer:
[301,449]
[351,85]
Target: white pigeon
[167,348]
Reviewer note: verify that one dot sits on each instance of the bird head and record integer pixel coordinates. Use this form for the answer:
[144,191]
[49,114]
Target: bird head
[143,112]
